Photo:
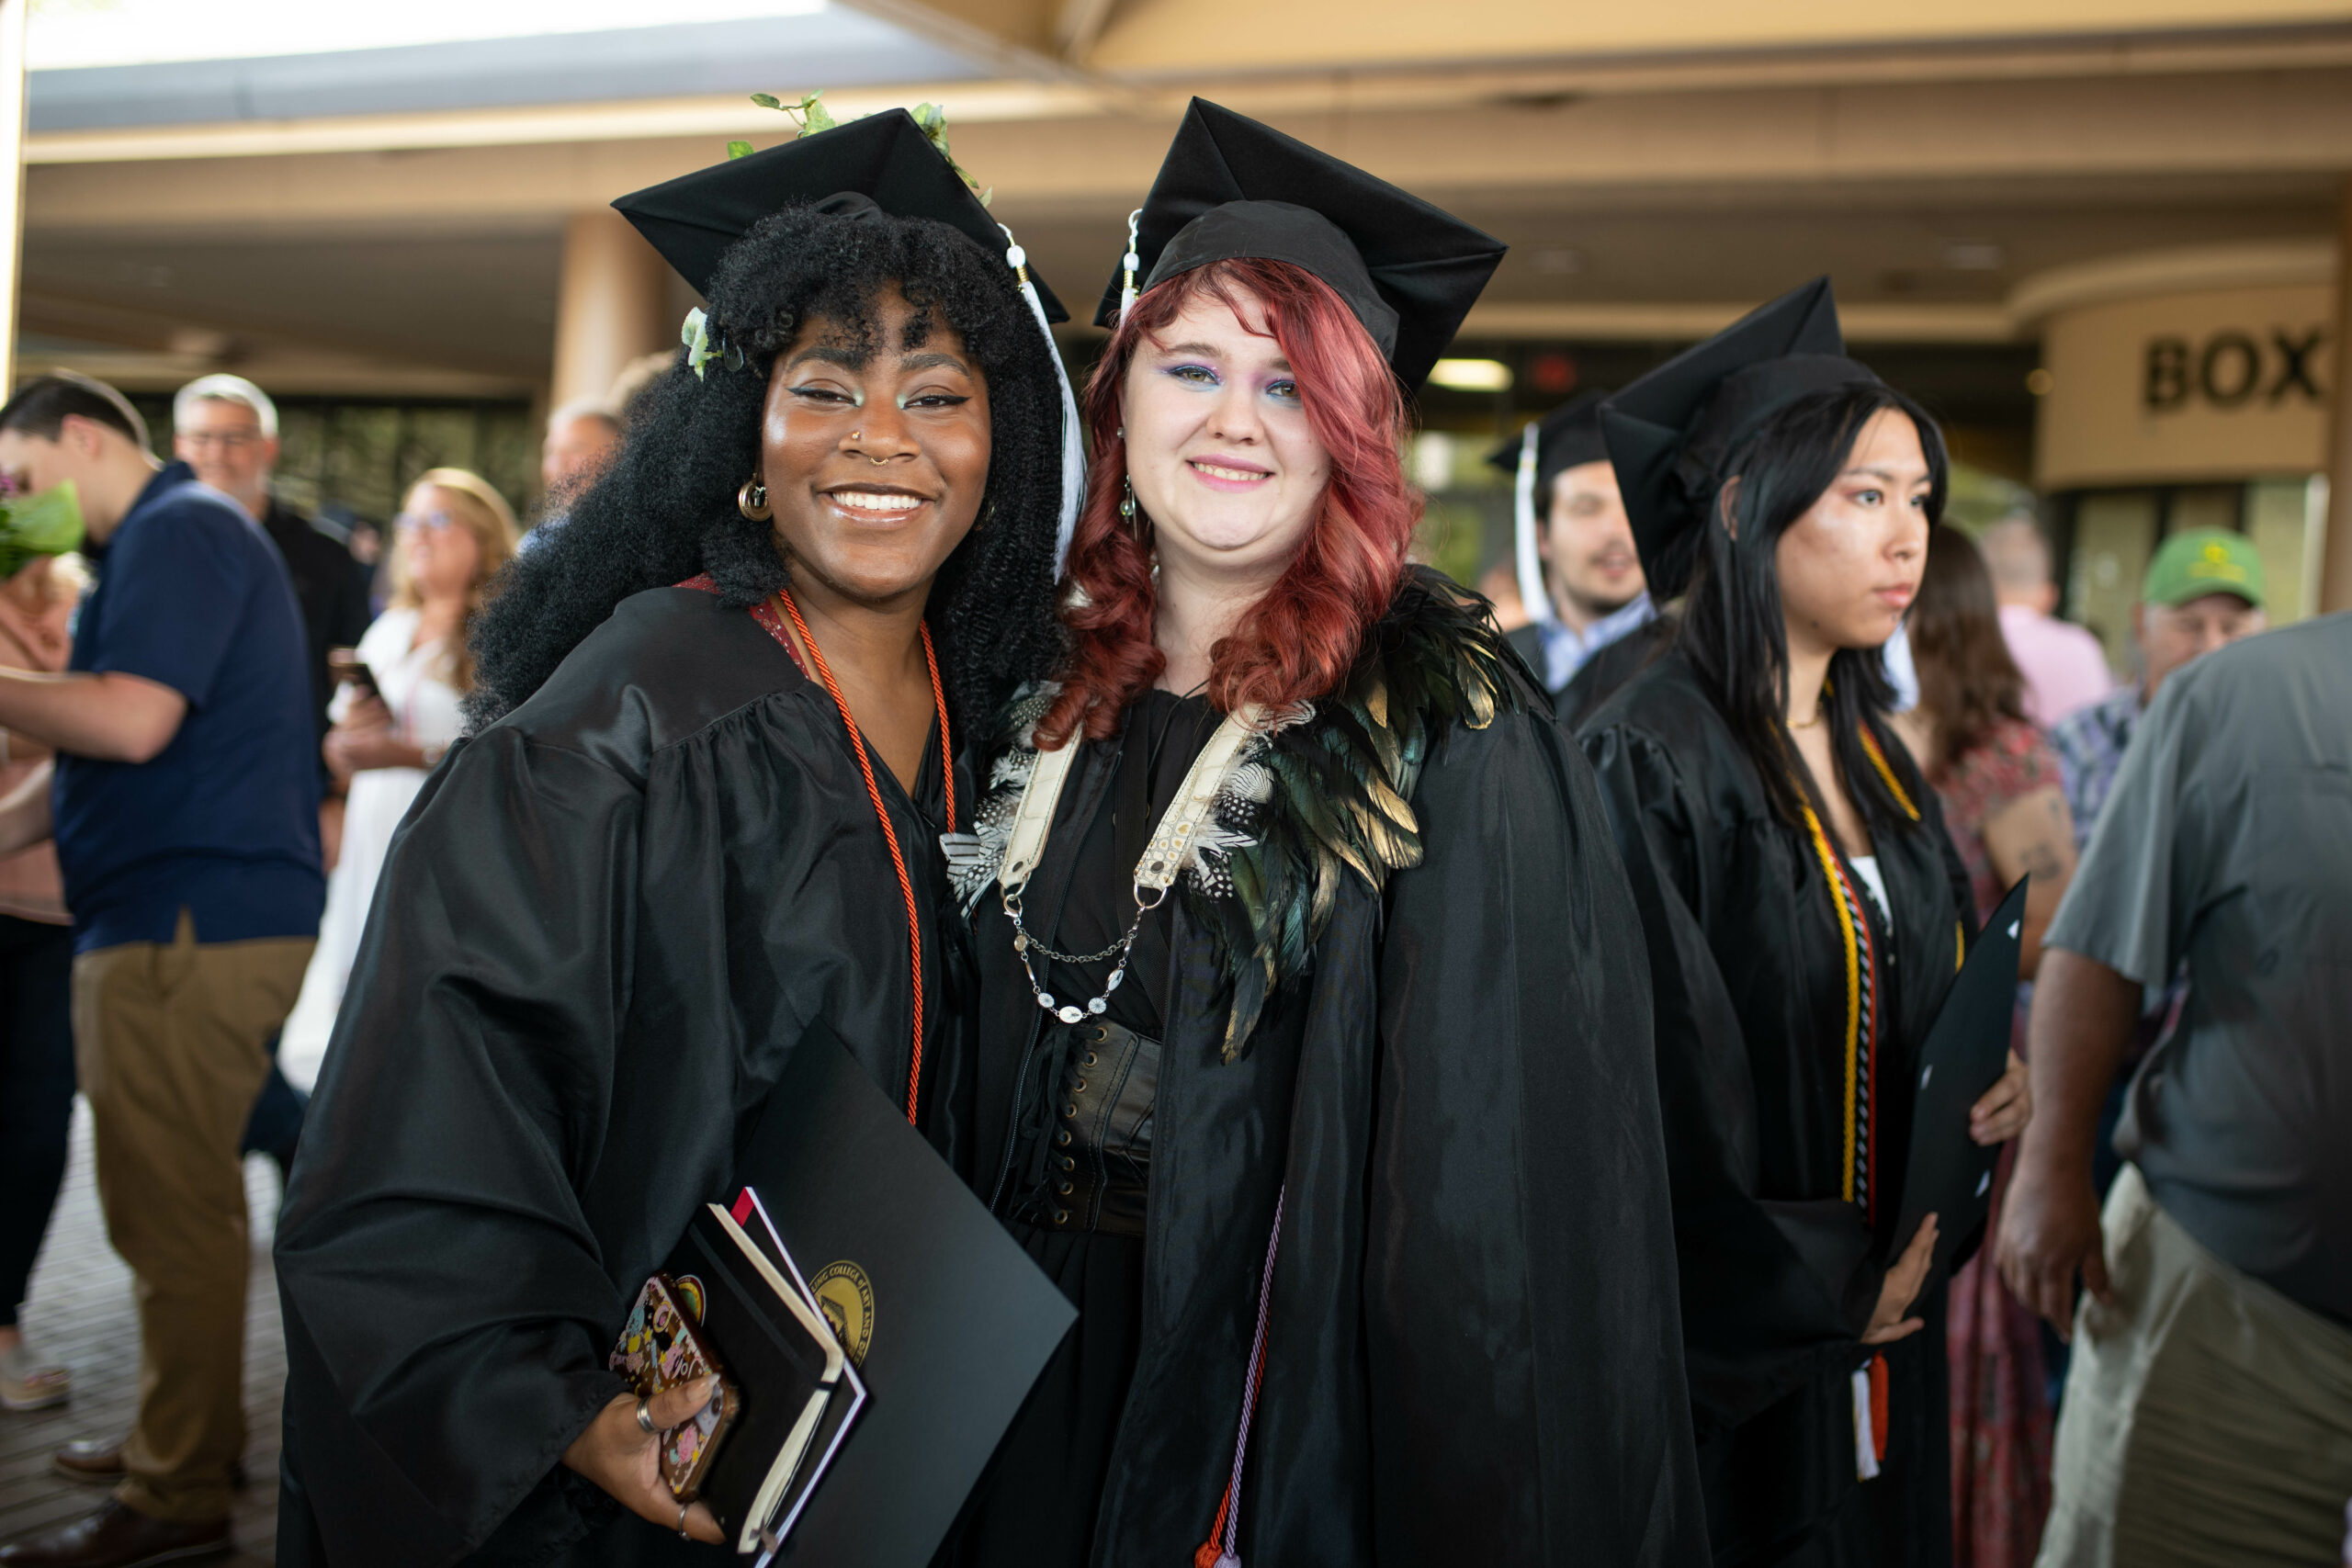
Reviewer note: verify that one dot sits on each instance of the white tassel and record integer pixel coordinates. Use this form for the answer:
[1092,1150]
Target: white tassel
[1073,451]
[1865,1440]
[1531,592]
[1128,265]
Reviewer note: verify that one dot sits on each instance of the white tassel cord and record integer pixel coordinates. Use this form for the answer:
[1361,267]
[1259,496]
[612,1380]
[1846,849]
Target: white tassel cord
[1073,450]
[1531,592]
[1128,265]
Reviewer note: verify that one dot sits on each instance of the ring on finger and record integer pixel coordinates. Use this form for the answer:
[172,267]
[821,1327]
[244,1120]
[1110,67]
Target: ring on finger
[682,1522]
[645,1419]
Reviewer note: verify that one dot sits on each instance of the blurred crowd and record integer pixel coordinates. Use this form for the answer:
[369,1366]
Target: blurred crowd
[286,696]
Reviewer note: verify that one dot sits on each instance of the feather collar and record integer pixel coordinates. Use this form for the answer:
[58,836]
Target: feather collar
[1324,790]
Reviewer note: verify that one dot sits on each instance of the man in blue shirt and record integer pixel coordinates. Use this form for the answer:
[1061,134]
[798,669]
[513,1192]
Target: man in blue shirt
[184,809]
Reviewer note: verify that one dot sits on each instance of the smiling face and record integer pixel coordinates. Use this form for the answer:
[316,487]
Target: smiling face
[1588,544]
[875,452]
[1218,447]
[1851,565]
[438,552]
[222,440]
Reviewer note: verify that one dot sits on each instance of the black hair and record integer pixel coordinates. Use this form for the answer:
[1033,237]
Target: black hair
[666,511]
[1732,623]
[40,407]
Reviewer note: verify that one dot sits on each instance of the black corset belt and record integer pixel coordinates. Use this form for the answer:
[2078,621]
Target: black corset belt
[1084,1160]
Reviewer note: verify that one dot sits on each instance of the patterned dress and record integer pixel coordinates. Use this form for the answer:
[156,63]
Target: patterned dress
[2000,1413]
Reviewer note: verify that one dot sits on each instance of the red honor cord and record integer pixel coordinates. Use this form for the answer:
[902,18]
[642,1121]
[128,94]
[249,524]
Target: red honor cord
[890,834]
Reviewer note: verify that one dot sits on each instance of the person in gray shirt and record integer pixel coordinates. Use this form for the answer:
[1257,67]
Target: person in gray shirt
[2207,1413]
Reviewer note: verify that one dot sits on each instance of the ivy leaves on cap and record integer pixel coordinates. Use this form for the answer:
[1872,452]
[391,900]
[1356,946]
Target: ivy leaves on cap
[809,113]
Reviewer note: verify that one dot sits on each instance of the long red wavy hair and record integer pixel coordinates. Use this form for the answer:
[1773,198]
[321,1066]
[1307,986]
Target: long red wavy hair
[1300,637]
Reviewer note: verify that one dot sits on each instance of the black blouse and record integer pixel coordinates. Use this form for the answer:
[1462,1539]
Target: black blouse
[1078,1114]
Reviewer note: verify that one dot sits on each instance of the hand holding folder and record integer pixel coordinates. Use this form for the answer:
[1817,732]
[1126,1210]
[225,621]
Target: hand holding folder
[878,1325]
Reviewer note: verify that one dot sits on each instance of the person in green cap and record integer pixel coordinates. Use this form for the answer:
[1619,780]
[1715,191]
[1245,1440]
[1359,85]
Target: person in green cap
[2203,589]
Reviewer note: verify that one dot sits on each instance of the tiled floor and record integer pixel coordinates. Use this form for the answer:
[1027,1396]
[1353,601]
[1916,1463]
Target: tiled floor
[80,1313]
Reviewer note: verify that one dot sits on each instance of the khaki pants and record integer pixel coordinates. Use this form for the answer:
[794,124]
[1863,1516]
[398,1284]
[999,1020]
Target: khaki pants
[171,1042]
[2208,1419]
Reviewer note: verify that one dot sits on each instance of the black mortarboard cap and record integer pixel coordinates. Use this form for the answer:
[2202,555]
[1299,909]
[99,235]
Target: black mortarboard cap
[884,161]
[1567,437]
[1670,433]
[1231,188]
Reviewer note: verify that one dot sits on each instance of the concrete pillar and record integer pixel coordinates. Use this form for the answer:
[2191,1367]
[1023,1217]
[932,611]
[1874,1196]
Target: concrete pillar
[611,305]
[12,180]
[2336,572]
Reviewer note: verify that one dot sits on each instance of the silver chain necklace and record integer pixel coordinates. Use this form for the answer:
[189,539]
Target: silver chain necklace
[1164,857]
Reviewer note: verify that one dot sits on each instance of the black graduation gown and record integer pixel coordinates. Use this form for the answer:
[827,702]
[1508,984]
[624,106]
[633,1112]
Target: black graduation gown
[1747,968]
[1610,667]
[1607,668]
[604,923]
[1473,1354]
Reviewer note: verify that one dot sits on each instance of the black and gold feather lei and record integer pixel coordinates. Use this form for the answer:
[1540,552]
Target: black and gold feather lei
[1322,792]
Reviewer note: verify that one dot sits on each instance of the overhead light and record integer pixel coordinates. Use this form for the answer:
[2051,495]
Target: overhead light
[1471,375]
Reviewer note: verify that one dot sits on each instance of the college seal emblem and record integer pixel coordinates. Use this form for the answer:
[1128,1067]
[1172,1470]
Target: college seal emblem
[846,1298]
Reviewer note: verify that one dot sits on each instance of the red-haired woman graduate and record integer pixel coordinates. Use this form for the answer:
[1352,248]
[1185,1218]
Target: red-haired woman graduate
[1313,1052]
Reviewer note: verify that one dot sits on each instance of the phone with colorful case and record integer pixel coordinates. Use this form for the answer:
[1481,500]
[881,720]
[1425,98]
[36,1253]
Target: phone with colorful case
[660,1349]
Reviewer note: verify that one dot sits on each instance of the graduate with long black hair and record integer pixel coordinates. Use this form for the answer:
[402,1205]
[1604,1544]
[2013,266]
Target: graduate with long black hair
[1804,914]
[715,748]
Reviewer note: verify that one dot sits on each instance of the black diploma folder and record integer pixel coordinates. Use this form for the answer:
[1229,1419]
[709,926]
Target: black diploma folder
[1949,1174]
[948,1320]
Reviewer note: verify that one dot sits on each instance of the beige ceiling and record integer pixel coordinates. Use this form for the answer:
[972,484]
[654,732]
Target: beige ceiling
[1160,38]
[1652,166]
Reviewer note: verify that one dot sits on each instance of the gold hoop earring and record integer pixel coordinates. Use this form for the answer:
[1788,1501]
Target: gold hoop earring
[751,501]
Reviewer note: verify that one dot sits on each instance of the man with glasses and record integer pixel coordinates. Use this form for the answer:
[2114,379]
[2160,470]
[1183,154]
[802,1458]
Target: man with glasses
[225,428]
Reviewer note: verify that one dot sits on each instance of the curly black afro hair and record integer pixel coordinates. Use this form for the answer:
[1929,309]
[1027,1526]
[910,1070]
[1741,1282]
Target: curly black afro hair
[666,509]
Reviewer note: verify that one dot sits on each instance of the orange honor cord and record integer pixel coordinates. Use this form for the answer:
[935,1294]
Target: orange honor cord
[881,815]
[1882,1398]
